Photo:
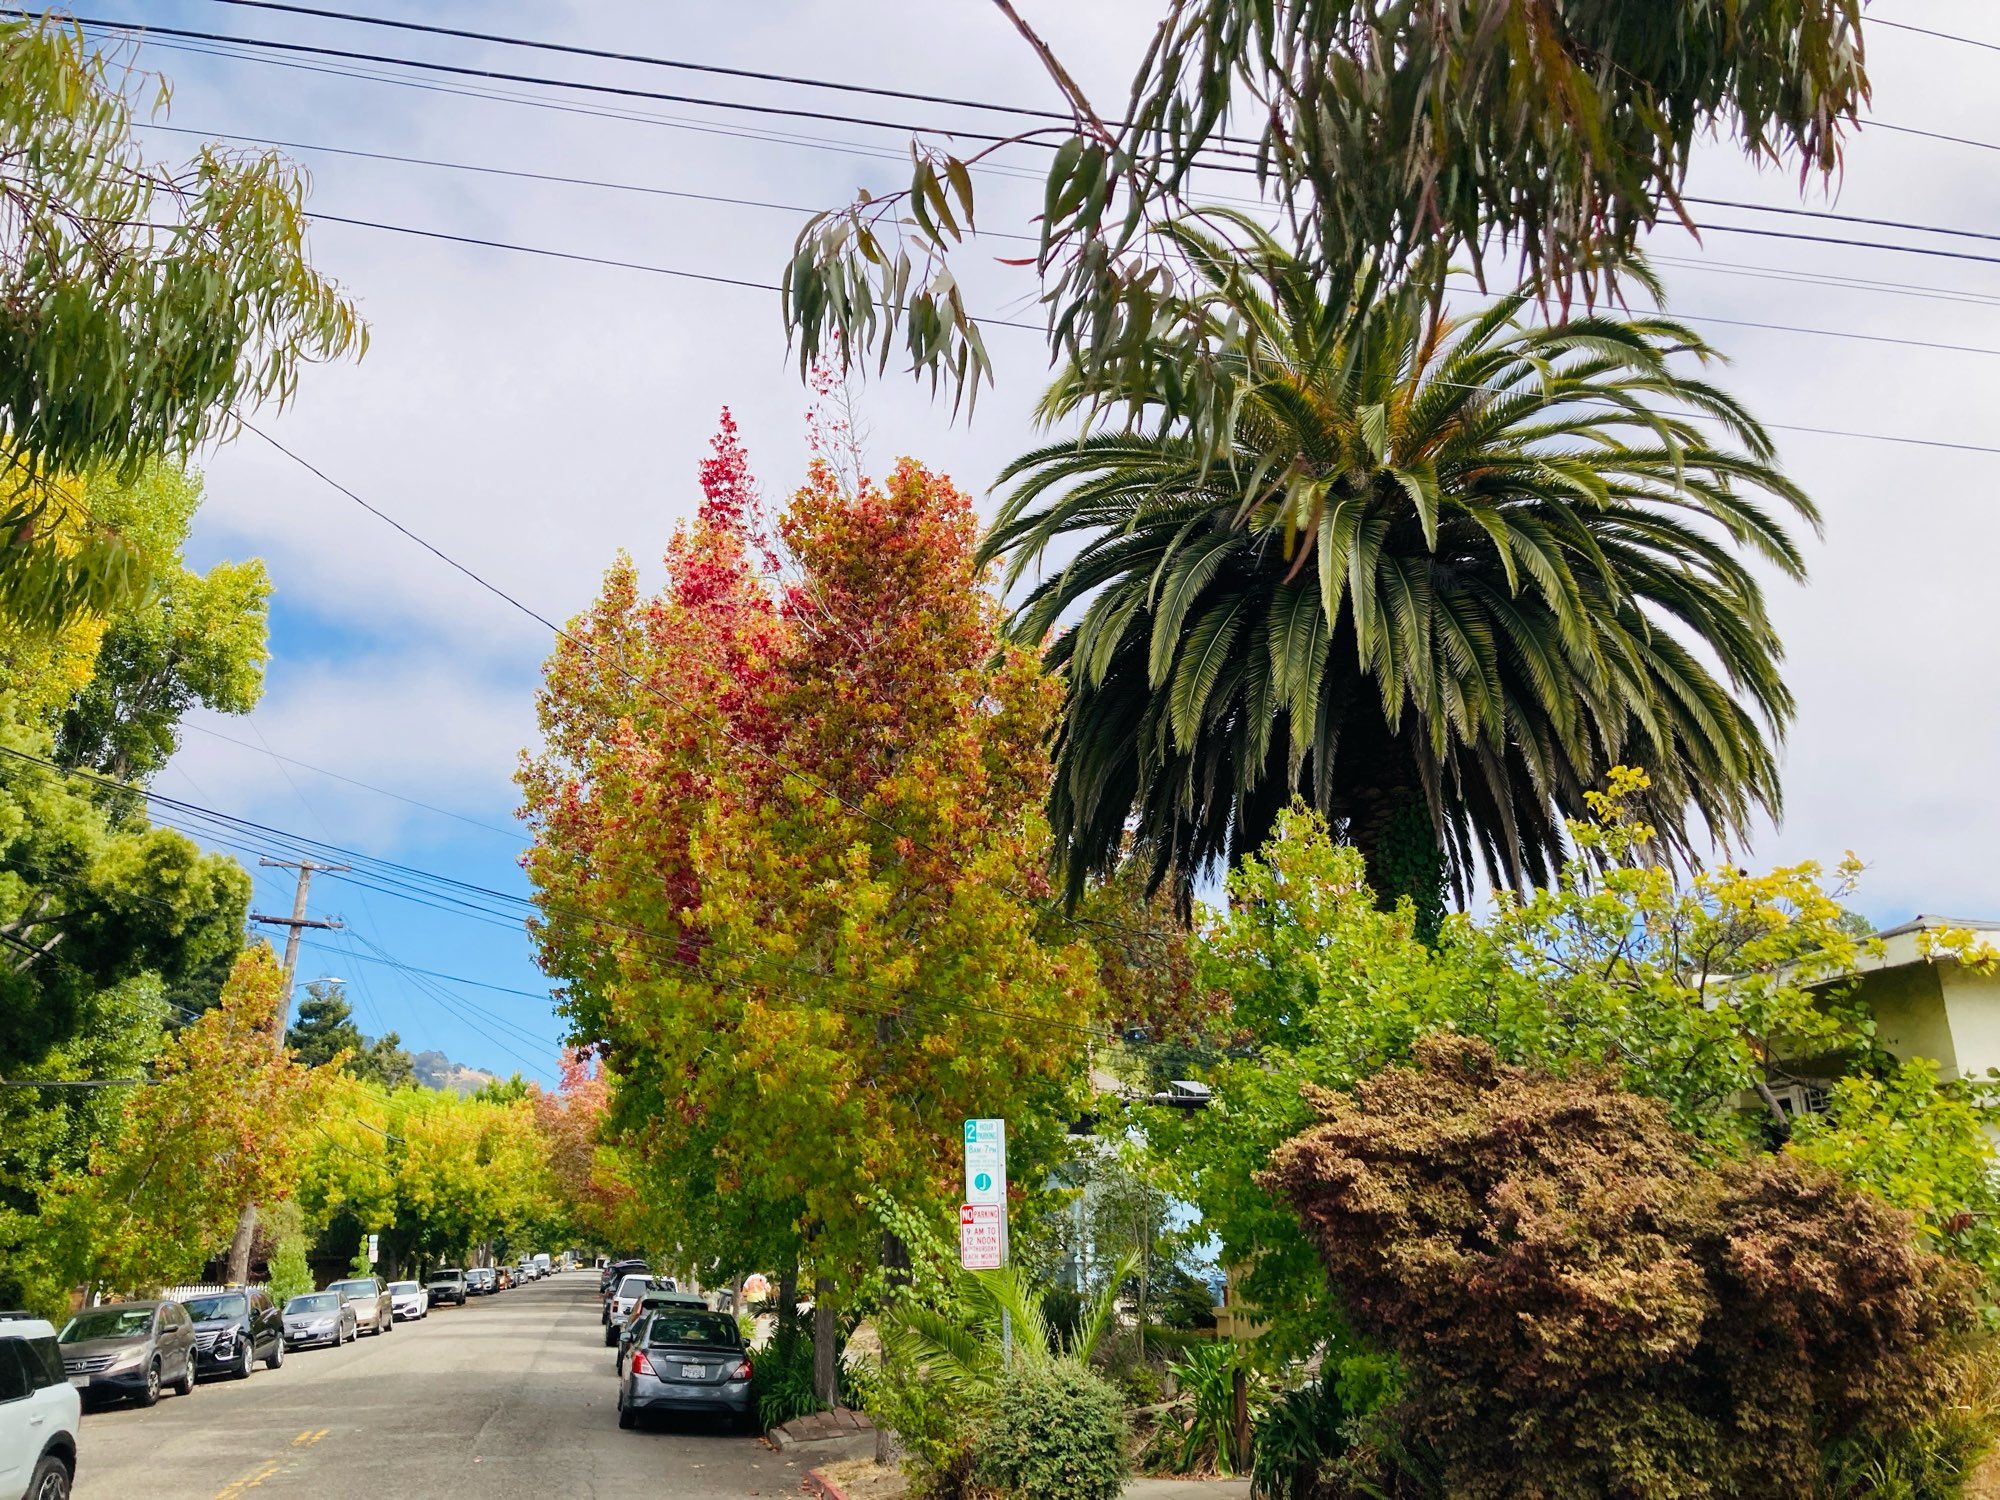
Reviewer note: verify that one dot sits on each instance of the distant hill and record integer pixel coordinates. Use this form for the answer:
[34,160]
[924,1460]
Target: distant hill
[435,1070]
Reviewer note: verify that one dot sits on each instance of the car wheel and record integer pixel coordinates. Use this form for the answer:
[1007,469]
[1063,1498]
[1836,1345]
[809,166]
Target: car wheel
[245,1362]
[627,1418]
[51,1481]
[277,1359]
[185,1385]
[150,1395]
[390,1326]
[610,1337]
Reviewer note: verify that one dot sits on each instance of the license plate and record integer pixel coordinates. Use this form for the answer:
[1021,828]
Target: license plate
[694,1372]
[79,1381]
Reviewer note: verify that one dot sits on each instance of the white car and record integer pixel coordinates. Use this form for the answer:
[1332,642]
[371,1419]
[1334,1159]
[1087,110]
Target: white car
[629,1291]
[39,1412]
[408,1300]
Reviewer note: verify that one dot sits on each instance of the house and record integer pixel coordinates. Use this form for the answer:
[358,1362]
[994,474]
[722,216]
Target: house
[1928,1004]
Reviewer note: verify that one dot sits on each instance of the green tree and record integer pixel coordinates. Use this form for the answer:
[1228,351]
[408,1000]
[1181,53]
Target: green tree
[1450,570]
[1374,129]
[325,1031]
[194,639]
[219,1122]
[1700,992]
[150,306]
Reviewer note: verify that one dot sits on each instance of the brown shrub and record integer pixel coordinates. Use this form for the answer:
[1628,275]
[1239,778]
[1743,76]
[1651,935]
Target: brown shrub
[1584,1309]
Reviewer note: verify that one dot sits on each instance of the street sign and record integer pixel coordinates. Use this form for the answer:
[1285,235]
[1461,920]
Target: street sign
[374,1245]
[982,1222]
[985,1161]
[981,1236]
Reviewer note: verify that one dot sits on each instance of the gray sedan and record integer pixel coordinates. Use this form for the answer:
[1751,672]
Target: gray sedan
[319,1318]
[688,1361]
[129,1349]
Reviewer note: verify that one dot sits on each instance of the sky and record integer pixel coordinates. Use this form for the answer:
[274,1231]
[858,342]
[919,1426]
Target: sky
[531,416]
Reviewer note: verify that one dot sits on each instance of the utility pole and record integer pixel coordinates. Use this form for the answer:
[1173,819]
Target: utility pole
[238,1270]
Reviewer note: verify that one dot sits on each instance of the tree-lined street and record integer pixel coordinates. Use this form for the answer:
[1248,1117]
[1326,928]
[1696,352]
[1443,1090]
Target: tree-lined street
[507,1397]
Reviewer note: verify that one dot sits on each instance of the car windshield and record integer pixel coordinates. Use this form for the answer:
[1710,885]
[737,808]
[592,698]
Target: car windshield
[447,1276]
[404,1287]
[692,1327]
[221,1305]
[354,1288]
[313,1302]
[107,1323]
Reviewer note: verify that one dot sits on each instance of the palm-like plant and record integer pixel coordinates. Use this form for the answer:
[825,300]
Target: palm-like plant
[1438,575]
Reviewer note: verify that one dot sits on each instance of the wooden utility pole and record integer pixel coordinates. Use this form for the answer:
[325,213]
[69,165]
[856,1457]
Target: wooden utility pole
[238,1269]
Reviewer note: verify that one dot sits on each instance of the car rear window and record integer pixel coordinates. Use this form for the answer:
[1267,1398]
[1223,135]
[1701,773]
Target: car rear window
[718,1329]
[632,1286]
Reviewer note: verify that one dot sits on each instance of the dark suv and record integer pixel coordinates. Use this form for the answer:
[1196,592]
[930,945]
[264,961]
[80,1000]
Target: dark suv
[234,1329]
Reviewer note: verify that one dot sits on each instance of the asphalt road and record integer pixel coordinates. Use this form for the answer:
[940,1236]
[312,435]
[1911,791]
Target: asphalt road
[510,1396]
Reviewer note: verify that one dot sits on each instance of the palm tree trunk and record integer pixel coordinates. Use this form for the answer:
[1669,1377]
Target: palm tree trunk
[1392,828]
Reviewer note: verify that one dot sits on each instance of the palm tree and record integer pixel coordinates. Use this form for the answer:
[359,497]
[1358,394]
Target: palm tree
[1438,575]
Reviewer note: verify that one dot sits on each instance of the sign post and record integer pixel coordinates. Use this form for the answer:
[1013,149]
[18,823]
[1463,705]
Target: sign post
[982,1218]
[374,1245]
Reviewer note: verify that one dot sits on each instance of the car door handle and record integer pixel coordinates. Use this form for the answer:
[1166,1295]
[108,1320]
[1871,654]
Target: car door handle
[37,1420]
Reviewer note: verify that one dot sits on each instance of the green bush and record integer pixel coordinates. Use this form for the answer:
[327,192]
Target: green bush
[1057,1432]
[781,1380]
[1198,1434]
[1296,1436]
[288,1274]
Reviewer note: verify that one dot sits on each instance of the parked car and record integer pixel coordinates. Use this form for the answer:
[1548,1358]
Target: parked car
[319,1318]
[374,1310]
[479,1281]
[688,1360]
[503,1277]
[525,1271]
[129,1349]
[630,1289]
[408,1301]
[617,1271]
[542,1264]
[39,1411]
[446,1285]
[635,1320]
[233,1330]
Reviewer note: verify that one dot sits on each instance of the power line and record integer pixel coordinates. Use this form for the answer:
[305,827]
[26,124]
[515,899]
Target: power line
[1817,239]
[1942,36]
[617,931]
[520,174]
[443,812]
[1840,218]
[612,90]
[574,50]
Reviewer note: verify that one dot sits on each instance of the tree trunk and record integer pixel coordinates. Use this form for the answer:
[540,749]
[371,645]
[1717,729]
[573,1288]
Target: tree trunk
[1399,843]
[826,1385]
[237,1271]
[1239,1424]
[788,1311]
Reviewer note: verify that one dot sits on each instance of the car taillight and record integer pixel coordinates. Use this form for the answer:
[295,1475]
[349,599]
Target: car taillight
[640,1364]
[744,1371]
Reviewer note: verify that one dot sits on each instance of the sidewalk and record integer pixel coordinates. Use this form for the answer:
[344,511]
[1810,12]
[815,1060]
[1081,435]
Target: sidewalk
[1188,1489]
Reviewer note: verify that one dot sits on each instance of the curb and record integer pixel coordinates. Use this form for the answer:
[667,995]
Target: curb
[817,1483]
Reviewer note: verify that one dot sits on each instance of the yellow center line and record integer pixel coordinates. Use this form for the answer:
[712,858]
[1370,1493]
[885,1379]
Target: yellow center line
[247,1482]
[307,1438]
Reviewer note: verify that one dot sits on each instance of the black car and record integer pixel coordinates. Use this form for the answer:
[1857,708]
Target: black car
[234,1329]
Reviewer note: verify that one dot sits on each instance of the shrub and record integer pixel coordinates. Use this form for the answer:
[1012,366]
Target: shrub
[1057,1432]
[1582,1308]
[1296,1436]
[1198,1433]
[289,1273]
[781,1379]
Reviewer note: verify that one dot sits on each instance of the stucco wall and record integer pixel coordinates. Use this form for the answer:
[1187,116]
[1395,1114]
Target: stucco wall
[1912,1019]
[1973,1001]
